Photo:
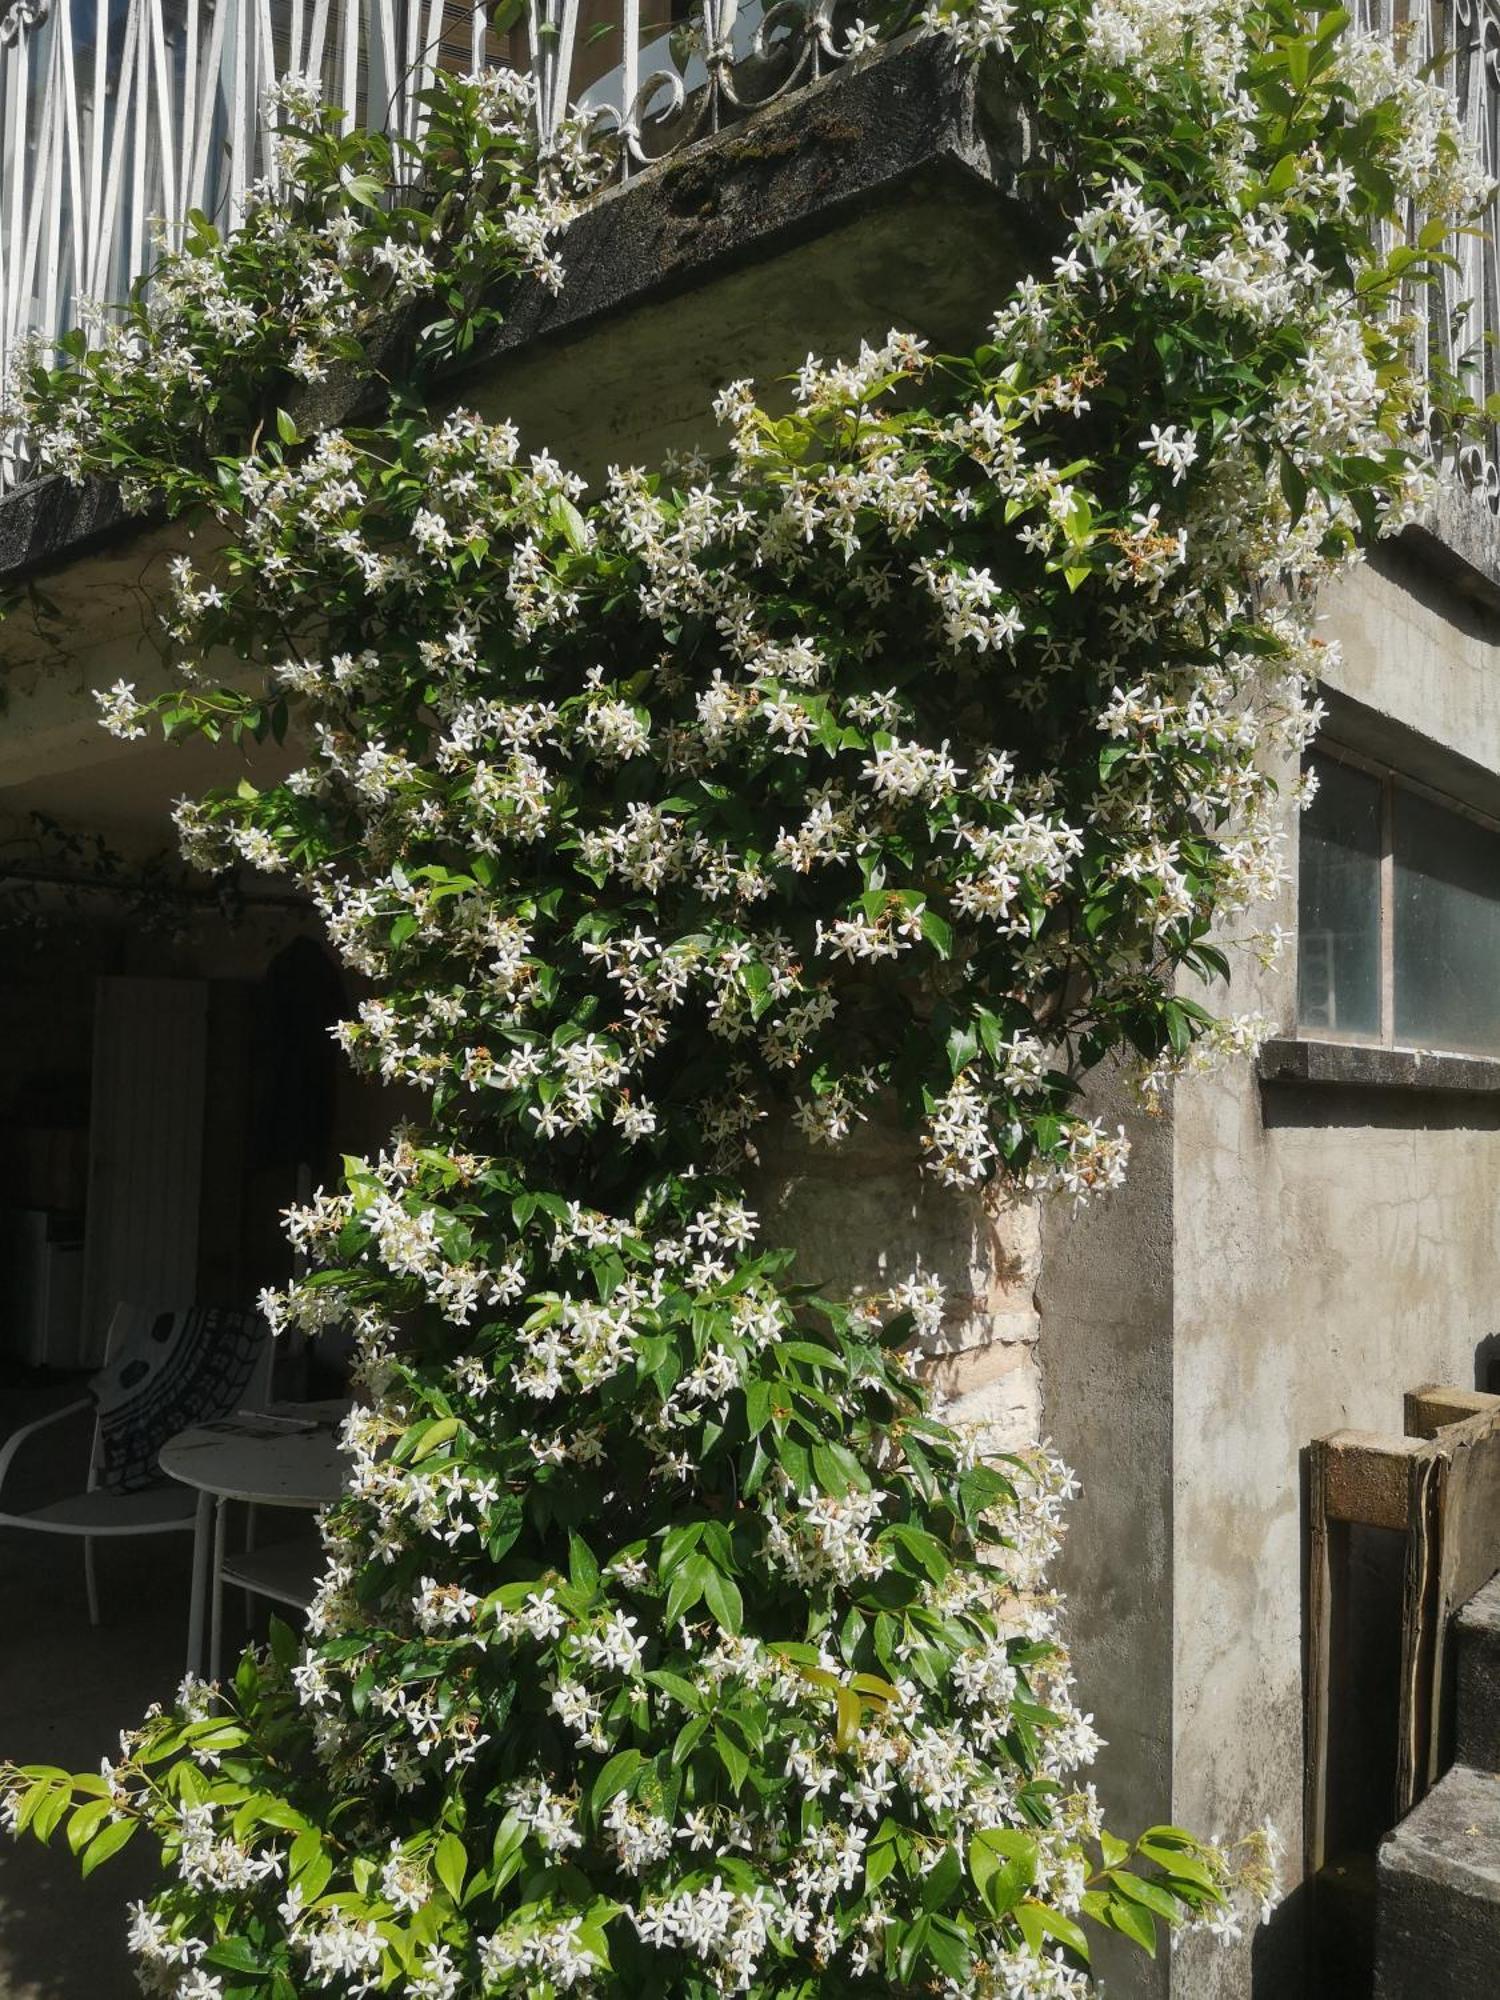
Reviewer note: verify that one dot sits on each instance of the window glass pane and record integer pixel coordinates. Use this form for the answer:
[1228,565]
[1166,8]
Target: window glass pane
[1447,928]
[1338,926]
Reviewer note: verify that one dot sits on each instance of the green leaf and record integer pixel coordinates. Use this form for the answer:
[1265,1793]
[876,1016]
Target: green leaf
[942,1880]
[286,1647]
[1038,1923]
[1150,1895]
[451,1864]
[950,1950]
[758,1399]
[879,1861]
[850,1716]
[615,1777]
[368,190]
[50,1813]
[435,1437]
[1114,1851]
[675,1685]
[86,1822]
[509,1850]
[583,1569]
[1002,1861]
[937,931]
[233,1954]
[309,1866]
[912,1947]
[736,1762]
[1133,1922]
[1176,1837]
[689,1737]
[566,517]
[107,1842]
[688,1584]
[1175,1860]
[722,1596]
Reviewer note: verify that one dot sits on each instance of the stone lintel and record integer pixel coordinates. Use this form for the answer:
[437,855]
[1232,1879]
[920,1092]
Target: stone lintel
[858,137]
[1459,538]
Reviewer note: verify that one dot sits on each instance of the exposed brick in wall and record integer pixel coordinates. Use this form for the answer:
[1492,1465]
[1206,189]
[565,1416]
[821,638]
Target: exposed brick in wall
[861,1218]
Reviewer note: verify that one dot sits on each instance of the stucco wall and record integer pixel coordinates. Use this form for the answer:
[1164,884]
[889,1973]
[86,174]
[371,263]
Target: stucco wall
[1285,1260]
[1417,651]
[1331,1249]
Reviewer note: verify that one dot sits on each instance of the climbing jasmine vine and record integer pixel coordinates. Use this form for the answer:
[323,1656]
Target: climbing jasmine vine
[907,755]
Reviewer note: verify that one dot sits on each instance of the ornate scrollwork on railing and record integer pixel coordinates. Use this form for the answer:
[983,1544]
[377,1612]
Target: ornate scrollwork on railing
[20,14]
[704,73]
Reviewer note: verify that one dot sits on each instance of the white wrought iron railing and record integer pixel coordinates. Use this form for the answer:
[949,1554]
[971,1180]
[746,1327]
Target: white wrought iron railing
[119,115]
[1459,326]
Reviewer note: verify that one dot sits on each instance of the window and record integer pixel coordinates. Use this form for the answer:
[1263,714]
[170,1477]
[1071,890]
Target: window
[1398,936]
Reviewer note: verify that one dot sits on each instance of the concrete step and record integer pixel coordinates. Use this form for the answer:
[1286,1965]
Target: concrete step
[1477,1692]
[1437,1925]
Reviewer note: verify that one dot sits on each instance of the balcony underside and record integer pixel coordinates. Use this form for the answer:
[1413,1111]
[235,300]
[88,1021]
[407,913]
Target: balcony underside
[884,194]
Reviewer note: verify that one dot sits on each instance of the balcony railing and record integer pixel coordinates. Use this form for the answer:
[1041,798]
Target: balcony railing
[118,116]
[1459,330]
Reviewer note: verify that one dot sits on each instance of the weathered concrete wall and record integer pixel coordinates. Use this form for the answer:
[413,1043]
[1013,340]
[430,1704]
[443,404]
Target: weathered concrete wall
[1106,1292]
[1332,1248]
[1330,1252]
[1419,655]
[1285,1260]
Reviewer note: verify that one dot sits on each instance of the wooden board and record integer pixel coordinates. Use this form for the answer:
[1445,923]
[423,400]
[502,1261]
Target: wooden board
[1438,1489]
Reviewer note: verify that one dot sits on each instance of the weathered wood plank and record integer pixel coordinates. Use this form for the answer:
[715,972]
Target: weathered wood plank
[1438,1487]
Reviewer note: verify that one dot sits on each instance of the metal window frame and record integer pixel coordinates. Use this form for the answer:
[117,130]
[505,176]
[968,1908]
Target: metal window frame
[1390,780]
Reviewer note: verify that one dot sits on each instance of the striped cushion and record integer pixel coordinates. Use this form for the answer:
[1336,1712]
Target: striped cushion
[171,1370]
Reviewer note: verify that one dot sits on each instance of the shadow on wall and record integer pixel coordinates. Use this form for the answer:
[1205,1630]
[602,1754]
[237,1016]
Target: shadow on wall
[1487,1363]
[1325,1107]
[1278,1951]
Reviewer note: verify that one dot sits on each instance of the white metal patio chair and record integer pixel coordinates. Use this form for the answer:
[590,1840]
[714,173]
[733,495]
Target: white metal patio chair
[162,1372]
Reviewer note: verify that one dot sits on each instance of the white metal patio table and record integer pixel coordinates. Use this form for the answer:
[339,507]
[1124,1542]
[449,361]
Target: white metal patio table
[285,1456]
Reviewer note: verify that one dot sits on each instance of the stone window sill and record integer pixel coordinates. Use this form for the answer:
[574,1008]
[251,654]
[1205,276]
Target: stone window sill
[1359,1066]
